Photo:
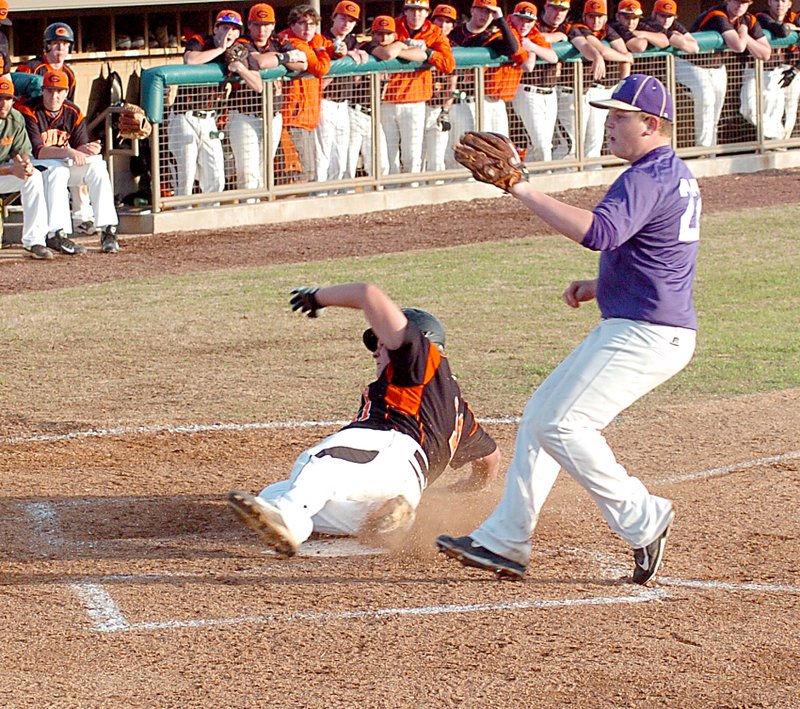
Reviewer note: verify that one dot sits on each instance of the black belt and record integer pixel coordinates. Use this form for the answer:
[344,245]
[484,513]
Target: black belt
[202,114]
[468,99]
[351,455]
[536,89]
[362,108]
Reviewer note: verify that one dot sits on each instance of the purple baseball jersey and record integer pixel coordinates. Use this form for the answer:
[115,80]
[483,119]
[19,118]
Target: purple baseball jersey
[647,228]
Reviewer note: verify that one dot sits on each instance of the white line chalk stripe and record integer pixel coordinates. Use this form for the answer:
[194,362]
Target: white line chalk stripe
[45,522]
[643,597]
[730,586]
[193,428]
[102,609]
[725,469]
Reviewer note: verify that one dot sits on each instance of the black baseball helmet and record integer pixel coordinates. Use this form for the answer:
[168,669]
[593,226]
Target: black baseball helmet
[430,325]
[59,31]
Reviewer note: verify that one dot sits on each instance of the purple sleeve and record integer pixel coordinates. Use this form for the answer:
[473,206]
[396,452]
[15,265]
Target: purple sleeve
[622,212]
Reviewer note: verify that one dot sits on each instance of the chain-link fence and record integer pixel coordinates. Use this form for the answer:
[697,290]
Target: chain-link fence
[356,131]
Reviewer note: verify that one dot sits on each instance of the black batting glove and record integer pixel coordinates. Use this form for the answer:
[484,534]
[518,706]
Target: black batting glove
[787,77]
[305,300]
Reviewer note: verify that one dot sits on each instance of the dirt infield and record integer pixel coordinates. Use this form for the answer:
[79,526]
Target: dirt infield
[126,581]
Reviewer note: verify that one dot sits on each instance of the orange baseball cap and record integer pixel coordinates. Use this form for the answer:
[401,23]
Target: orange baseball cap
[384,23]
[262,13]
[666,7]
[447,11]
[418,4]
[630,7]
[6,88]
[525,10]
[595,7]
[560,4]
[229,17]
[345,7]
[55,79]
[484,3]
[4,13]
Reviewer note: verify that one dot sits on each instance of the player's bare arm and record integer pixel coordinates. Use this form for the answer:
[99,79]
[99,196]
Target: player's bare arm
[383,315]
[546,54]
[572,222]
[736,39]
[92,148]
[759,48]
[685,42]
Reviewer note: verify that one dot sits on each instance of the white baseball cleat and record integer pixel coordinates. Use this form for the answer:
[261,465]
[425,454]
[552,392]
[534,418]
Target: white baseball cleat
[266,520]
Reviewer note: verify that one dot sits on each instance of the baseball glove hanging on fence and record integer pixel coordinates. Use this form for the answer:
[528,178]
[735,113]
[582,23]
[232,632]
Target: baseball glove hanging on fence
[491,158]
[237,52]
[133,123]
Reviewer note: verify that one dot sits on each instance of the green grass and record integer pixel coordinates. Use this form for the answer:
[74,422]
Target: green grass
[223,345]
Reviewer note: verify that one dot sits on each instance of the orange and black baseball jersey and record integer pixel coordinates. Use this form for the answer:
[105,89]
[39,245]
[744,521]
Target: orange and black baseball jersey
[40,66]
[417,86]
[717,20]
[65,127]
[781,55]
[418,395]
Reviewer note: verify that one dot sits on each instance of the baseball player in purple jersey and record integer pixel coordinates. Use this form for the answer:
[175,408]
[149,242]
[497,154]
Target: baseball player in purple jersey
[412,422]
[646,229]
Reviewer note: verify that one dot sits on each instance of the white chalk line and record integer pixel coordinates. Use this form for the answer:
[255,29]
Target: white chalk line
[102,608]
[108,619]
[193,428]
[730,586]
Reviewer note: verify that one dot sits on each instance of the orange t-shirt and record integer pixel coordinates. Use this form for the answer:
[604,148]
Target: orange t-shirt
[502,82]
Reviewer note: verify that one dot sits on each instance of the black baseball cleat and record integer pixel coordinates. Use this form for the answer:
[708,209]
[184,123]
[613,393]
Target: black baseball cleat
[108,240]
[266,520]
[647,559]
[470,553]
[58,241]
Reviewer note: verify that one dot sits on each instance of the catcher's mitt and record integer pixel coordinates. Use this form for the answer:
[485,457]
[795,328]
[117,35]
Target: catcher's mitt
[491,158]
[133,123]
[237,52]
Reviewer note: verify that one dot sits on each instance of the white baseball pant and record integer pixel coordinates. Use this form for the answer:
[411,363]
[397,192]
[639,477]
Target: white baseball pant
[94,174]
[708,87]
[35,226]
[360,144]
[246,133]
[196,152]
[404,127]
[537,108]
[436,140]
[779,104]
[332,495]
[332,136]
[495,115]
[619,362]
[593,121]
[462,119]
[565,114]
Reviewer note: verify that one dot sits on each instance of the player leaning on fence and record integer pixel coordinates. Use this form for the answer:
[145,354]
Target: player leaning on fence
[404,96]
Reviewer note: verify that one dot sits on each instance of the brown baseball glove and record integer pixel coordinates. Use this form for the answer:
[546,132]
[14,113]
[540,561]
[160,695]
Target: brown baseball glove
[237,52]
[491,158]
[133,123]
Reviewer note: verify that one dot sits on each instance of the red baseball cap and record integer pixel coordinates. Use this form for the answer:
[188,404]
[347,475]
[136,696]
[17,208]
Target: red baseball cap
[229,17]
[666,7]
[447,11]
[6,88]
[262,13]
[55,79]
[595,7]
[384,23]
[484,3]
[525,10]
[346,7]
[630,7]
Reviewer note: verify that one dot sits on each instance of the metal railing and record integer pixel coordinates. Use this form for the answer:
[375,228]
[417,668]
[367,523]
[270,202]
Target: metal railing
[216,141]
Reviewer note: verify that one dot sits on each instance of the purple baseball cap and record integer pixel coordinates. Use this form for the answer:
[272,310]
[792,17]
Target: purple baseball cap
[640,92]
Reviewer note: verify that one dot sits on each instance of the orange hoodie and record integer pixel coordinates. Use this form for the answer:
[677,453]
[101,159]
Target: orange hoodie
[417,86]
[303,97]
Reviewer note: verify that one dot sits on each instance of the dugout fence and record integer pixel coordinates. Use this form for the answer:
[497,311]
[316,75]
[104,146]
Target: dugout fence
[259,147]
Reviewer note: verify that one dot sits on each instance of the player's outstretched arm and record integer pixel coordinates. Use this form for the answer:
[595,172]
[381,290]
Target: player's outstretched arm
[572,222]
[383,315]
